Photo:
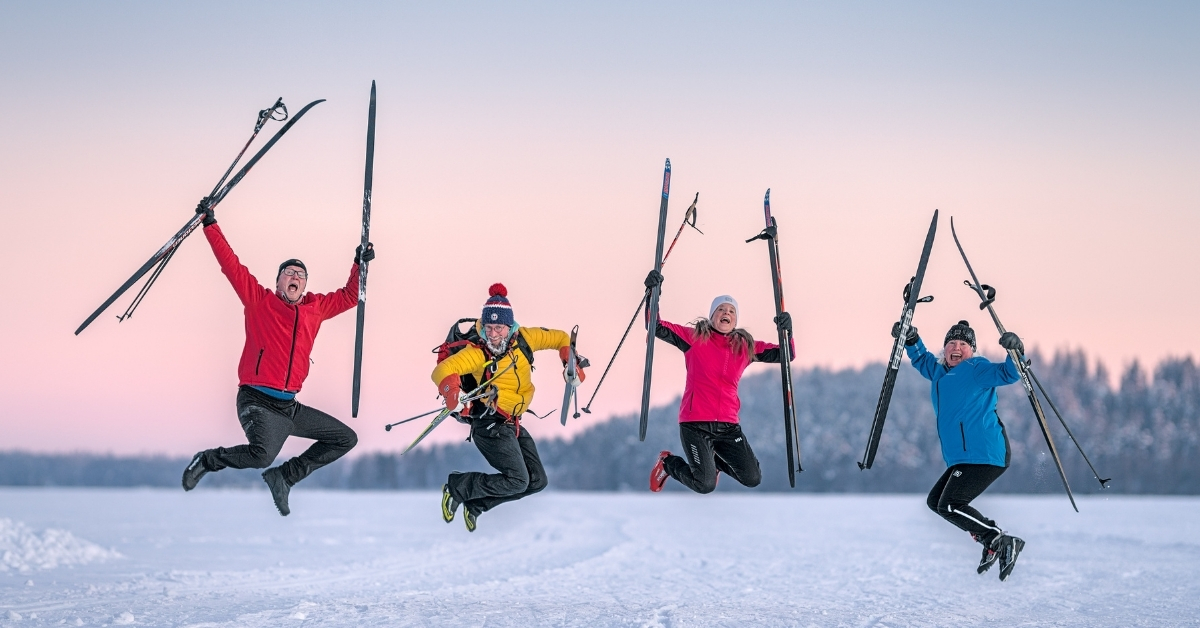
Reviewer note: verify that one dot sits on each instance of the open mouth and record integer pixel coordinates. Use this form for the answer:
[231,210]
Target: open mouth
[956,356]
[725,320]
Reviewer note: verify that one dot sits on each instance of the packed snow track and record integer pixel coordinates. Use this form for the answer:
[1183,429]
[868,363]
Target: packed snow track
[155,557]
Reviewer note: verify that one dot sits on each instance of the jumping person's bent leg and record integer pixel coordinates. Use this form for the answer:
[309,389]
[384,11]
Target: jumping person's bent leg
[699,471]
[733,455]
[267,424]
[533,465]
[333,437]
[497,441]
[963,483]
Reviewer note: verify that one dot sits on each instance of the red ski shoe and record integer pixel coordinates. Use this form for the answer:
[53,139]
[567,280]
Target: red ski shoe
[658,475]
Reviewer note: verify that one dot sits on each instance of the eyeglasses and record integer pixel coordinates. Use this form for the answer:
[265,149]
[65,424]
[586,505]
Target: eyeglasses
[298,274]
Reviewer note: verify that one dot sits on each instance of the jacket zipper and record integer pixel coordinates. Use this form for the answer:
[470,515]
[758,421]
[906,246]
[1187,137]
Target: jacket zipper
[259,362]
[292,353]
[964,435]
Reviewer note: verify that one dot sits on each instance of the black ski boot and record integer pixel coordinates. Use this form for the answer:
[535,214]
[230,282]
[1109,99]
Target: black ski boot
[194,471]
[989,555]
[469,519]
[279,489]
[1008,548]
[449,504]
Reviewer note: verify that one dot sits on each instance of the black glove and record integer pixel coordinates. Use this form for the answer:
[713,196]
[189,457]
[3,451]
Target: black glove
[912,334]
[1012,342]
[360,256]
[783,322]
[653,280]
[204,207]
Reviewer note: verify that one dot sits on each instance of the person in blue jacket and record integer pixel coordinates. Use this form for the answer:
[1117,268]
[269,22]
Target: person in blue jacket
[974,443]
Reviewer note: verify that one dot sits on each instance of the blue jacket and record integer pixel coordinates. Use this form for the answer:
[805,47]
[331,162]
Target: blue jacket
[964,400]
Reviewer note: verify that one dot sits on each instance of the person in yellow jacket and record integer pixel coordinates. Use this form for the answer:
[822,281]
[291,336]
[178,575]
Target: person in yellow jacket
[505,361]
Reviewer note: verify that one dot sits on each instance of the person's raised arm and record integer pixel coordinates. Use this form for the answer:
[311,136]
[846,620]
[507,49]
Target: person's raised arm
[244,284]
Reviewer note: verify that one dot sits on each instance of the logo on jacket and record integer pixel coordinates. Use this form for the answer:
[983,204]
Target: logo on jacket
[957,473]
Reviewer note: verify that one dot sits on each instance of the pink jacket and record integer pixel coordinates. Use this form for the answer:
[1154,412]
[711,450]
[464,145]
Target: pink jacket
[713,372]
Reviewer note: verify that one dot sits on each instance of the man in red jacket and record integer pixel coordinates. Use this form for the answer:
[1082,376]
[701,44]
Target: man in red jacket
[281,326]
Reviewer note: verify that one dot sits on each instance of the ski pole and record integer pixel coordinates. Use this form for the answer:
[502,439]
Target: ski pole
[689,220]
[987,295]
[389,426]
[220,191]
[1103,481]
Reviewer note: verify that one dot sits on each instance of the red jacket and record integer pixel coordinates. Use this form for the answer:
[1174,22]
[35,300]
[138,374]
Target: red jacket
[713,372]
[279,335]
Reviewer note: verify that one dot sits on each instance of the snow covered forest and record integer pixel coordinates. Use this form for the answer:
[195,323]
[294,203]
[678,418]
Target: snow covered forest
[1143,432]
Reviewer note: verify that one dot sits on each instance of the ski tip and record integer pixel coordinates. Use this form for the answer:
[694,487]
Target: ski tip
[668,166]
[767,197]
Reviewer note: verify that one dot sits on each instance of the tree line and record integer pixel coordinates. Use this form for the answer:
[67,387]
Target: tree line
[1143,431]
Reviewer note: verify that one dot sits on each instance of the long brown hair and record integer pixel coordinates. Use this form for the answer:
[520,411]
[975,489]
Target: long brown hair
[739,338]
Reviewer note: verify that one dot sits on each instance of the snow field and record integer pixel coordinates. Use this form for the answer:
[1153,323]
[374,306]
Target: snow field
[225,558]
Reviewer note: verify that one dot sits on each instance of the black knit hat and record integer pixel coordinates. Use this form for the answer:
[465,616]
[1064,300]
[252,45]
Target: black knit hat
[961,331]
[291,262]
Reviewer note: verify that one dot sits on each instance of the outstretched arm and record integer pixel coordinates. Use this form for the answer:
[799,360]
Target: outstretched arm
[244,284]
[922,360]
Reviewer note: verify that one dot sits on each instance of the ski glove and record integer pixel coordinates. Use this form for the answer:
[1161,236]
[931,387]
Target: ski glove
[360,256]
[912,334]
[783,322]
[1012,342]
[653,280]
[449,389]
[564,354]
[204,208]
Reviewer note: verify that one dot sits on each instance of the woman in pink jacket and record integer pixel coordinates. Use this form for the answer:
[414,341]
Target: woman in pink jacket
[716,352]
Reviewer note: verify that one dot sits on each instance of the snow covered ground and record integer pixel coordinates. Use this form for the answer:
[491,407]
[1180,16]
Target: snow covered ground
[224,558]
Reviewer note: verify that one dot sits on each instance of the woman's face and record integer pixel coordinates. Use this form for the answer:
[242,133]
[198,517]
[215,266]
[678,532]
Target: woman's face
[724,319]
[956,351]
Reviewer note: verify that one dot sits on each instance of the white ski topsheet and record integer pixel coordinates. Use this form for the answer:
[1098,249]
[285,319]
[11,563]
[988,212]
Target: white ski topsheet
[225,558]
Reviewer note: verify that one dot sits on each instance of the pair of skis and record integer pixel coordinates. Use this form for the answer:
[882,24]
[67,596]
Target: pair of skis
[987,295]
[163,256]
[791,432]
[770,234]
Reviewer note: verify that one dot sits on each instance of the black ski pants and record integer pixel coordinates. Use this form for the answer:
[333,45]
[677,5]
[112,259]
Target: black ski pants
[952,495]
[713,446]
[515,457]
[268,422]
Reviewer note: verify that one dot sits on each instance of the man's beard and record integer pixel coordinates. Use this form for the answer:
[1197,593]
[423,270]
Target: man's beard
[497,349]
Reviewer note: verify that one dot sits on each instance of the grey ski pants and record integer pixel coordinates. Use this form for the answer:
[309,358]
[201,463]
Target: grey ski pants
[268,422]
[515,457]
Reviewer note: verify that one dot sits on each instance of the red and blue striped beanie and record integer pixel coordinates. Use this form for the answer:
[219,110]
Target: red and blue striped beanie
[497,310]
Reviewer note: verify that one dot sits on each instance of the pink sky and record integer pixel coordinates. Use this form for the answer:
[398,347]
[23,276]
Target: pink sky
[525,145]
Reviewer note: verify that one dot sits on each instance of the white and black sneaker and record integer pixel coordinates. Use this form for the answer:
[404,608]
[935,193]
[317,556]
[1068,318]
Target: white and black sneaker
[1008,548]
[989,555]
[194,471]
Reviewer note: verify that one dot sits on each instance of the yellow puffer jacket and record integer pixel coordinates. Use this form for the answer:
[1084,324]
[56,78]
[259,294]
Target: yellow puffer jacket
[514,386]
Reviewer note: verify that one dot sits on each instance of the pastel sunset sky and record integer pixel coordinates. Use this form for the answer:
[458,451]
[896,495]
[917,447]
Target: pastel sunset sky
[524,142]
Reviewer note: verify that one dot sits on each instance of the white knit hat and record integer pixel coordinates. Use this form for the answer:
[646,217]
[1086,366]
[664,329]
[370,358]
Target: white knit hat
[719,301]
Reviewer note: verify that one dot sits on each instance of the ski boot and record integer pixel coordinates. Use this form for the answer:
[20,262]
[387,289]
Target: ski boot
[469,519]
[194,471]
[658,475]
[989,555]
[279,489]
[449,504]
[1008,547]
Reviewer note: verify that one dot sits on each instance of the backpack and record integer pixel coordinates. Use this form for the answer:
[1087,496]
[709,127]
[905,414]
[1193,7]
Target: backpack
[457,340]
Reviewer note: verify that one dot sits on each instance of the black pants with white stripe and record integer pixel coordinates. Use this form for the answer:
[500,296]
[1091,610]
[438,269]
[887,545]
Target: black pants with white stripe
[952,495]
[713,446]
